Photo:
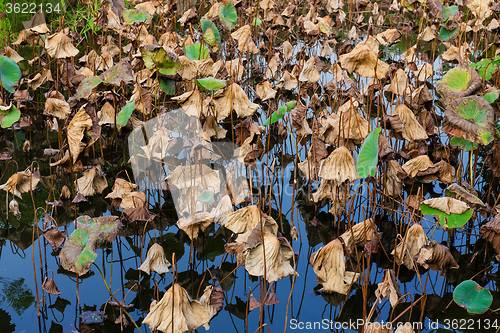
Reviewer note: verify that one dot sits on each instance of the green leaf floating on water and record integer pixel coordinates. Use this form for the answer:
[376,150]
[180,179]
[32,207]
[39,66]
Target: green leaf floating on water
[472,297]
[210,83]
[366,165]
[211,34]
[466,145]
[196,51]
[228,15]
[156,57]
[9,115]
[10,73]
[131,16]
[124,115]
[79,251]
[471,118]
[280,113]
[452,213]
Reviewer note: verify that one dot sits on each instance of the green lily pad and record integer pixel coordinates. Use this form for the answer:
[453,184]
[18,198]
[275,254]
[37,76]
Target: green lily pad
[280,113]
[124,115]
[472,297]
[131,16]
[156,57]
[211,34]
[452,213]
[10,73]
[228,15]
[466,145]
[78,252]
[458,82]
[167,85]
[366,164]
[491,97]
[196,51]
[9,115]
[210,83]
[471,118]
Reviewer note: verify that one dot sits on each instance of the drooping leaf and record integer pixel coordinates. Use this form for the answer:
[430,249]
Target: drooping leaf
[210,83]
[156,57]
[452,213]
[131,16]
[9,116]
[196,51]
[466,145]
[211,34]
[366,165]
[458,82]
[471,118]
[446,34]
[472,297]
[86,86]
[280,113]
[228,15]
[113,77]
[124,115]
[10,73]
[78,252]
[491,97]
[167,85]
[448,12]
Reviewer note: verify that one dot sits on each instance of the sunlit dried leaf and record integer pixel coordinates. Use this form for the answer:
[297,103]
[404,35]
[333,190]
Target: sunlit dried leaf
[276,264]
[339,166]
[389,288]
[21,182]
[406,250]
[329,265]
[59,46]
[92,182]
[176,312]
[419,163]
[155,261]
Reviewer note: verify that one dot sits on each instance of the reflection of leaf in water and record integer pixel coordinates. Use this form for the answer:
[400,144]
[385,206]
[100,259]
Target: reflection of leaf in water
[225,269]
[16,294]
[238,309]
[60,304]
[5,325]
